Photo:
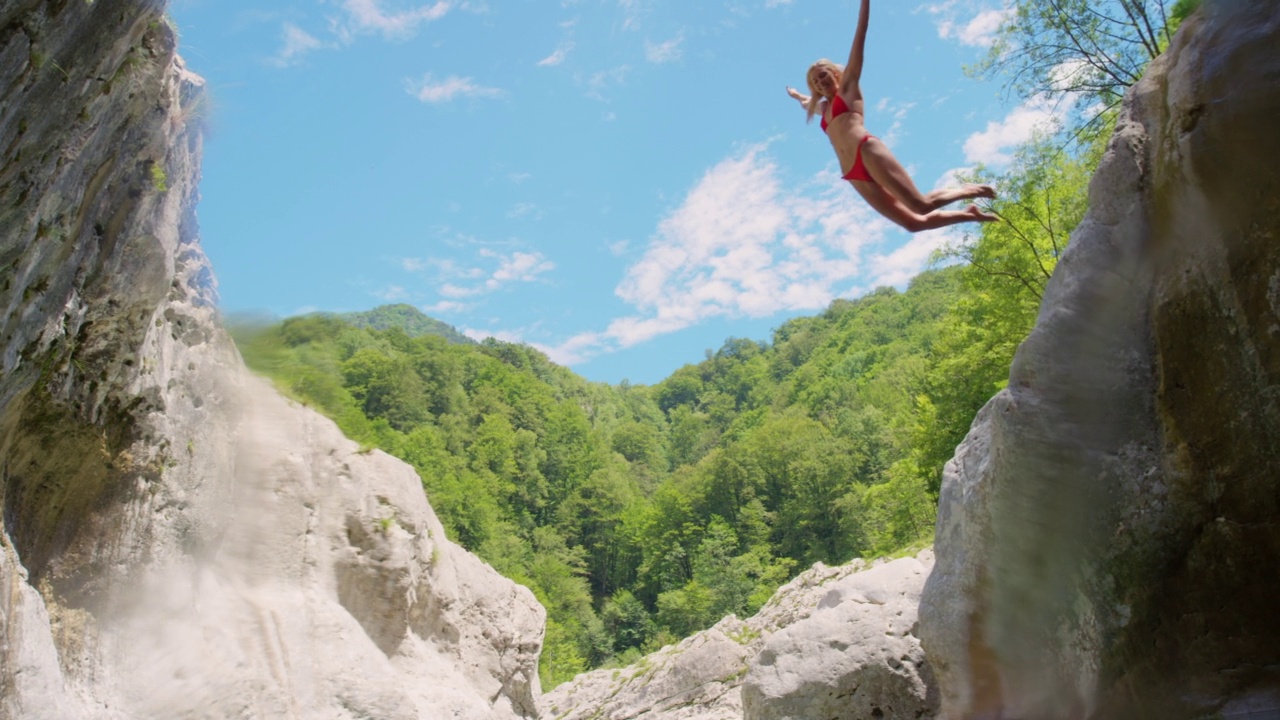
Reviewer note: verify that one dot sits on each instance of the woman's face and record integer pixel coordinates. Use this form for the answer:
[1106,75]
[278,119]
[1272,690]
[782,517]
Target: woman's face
[826,81]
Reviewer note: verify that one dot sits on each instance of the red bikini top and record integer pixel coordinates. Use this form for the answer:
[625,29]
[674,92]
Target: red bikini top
[838,108]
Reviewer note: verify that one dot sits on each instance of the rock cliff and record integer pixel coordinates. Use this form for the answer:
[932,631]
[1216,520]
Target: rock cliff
[178,541]
[837,643]
[1109,531]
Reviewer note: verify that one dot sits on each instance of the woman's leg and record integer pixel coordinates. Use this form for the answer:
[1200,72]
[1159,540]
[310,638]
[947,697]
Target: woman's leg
[890,174]
[889,206]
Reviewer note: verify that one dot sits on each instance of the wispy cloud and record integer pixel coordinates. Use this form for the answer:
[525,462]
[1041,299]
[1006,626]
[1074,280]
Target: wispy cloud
[430,90]
[995,145]
[296,43]
[601,80]
[525,210]
[742,244]
[373,16]
[491,271]
[902,264]
[898,112]
[632,11]
[776,3]
[556,57]
[444,306]
[663,52]
[392,293]
[969,23]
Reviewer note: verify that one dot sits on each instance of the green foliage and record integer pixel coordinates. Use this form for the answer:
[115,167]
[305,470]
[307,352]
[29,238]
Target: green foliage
[159,178]
[407,318]
[1043,196]
[1089,50]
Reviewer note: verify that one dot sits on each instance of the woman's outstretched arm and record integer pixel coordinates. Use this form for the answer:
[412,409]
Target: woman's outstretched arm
[805,101]
[799,97]
[853,69]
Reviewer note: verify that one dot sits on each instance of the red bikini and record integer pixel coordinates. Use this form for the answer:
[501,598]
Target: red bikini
[859,169]
[838,108]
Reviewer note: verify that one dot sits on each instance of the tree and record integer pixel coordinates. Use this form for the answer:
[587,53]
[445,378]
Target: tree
[1093,50]
[1043,197]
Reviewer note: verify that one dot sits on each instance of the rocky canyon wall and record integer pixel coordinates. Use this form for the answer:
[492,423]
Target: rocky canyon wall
[178,541]
[1109,531]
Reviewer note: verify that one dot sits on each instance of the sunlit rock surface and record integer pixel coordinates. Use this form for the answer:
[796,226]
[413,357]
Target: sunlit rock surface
[834,643]
[1109,533]
[178,541]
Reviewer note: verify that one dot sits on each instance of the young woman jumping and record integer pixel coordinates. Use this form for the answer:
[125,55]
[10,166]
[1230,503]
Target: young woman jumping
[865,160]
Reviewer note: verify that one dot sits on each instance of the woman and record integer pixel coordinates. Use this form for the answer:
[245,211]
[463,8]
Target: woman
[866,161]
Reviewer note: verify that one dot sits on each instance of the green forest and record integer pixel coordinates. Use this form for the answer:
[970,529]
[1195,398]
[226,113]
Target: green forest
[641,514]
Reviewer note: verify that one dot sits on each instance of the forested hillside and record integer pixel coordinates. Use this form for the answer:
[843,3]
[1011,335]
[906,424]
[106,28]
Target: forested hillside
[639,514]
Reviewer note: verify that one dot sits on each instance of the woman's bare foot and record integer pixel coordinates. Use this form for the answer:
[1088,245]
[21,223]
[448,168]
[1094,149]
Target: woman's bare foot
[977,214]
[980,191]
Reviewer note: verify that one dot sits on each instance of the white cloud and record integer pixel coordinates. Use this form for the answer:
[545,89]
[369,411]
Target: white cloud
[598,81]
[430,90]
[556,57]
[296,43]
[970,23]
[994,145]
[502,335]
[951,178]
[517,267]
[524,209]
[631,12]
[664,52]
[898,112]
[444,306]
[367,16]
[450,290]
[392,293]
[743,244]
[904,263]
[776,3]
[620,247]
[459,281]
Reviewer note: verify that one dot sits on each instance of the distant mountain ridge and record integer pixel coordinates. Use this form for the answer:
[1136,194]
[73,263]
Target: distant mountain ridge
[413,321]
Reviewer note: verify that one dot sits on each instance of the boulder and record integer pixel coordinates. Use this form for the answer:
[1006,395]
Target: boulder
[858,620]
[857,656]
[1106,529]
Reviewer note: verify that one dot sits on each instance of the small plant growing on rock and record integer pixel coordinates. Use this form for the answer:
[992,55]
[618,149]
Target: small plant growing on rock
[159,178]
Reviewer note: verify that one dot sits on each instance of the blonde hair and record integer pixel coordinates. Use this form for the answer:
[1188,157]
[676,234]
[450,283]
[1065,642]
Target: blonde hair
[815,97]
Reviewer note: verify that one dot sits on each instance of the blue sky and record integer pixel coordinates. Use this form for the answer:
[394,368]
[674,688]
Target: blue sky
[623,184]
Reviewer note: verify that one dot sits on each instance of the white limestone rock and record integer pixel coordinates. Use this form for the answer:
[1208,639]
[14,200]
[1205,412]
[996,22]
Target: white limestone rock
[1102,529]
[857,655]
[179,541]
[702,677]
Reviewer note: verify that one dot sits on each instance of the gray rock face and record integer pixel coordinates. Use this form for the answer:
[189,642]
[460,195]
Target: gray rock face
[178,541]
[857,656]
[821,635]
[1108,531]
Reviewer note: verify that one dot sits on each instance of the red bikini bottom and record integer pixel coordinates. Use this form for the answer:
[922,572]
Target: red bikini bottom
[859,169]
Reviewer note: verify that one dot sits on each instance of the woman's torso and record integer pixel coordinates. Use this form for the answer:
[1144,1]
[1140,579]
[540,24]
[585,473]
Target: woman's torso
[846,130]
